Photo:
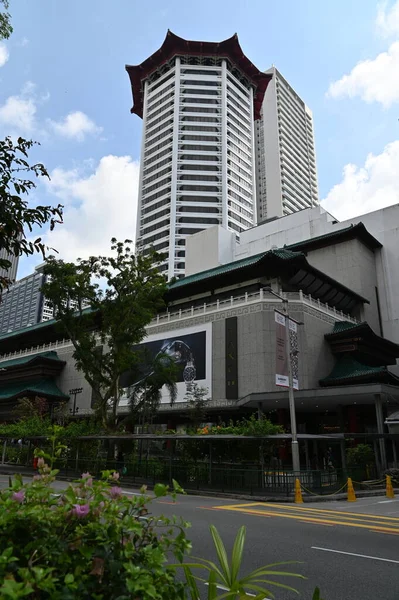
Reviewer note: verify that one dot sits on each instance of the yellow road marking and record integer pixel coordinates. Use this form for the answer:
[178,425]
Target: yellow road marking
[299,517]
[337,512]
[317,522]
[311,510]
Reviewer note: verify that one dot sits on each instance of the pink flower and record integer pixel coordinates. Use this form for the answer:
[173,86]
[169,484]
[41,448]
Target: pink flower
[115,476]
[19,496]
[115,492]
[40,462]
[81,510]
[37,478]
[88,480]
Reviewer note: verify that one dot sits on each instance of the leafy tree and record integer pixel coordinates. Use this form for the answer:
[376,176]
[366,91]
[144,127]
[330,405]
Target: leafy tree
[16,217]
[5,21]
[197,404]
[362,454]
[28,407]
[145,396]
[106,322]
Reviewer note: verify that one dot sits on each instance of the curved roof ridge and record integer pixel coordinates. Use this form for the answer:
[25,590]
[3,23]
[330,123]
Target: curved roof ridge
[174,45]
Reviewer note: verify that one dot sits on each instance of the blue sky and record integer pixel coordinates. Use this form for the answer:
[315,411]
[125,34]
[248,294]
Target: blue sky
[63,82]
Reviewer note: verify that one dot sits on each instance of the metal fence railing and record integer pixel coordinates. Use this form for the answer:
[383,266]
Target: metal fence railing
[250,478]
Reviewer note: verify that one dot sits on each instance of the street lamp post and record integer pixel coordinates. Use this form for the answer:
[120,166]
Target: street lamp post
[296,464]
[74,392]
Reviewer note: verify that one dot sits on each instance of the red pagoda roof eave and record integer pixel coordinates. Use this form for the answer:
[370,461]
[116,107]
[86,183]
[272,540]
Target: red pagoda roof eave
[174,45]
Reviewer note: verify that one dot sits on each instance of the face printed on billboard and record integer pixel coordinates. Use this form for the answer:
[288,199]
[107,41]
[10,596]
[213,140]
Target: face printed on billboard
[191,351]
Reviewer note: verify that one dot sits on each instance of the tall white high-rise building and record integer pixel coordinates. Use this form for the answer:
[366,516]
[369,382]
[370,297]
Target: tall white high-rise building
[286,175]
[198,101]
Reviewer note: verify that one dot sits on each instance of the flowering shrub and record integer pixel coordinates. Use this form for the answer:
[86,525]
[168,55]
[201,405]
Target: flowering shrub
[88,541]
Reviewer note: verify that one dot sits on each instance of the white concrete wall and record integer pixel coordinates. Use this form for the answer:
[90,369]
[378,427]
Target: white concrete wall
[382,224]
[209,248]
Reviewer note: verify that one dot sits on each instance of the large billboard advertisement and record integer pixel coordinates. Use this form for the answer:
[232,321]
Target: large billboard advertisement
[191,351]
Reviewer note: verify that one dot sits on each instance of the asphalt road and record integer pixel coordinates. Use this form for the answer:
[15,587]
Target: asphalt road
[349,550]
[344,552]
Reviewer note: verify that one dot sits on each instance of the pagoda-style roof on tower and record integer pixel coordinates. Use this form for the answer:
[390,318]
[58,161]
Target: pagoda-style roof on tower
[174,45]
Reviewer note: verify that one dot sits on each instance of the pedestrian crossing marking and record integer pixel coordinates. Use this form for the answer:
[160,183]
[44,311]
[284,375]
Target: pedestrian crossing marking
[376,523]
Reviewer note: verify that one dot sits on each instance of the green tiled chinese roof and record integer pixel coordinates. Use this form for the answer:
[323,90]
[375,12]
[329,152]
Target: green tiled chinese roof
[340,326]
[282,253]
[45,387]
[51,355]
[347,368]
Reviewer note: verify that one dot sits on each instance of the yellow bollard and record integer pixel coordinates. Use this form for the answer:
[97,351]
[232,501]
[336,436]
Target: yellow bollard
[298,492]
[389,489]
[351,491]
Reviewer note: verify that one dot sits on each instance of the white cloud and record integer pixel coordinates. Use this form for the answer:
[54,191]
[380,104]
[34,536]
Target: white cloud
[76,126]
[387,21]
[19,113]
[368,188]
[374,80]
[4,54]
[98,206]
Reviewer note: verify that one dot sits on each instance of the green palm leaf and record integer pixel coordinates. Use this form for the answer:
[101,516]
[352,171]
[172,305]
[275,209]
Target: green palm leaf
[222,556]
[237,554]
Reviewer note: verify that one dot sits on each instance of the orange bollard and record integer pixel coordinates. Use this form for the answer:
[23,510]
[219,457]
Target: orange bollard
[389,489]
[298,492]
[351,491]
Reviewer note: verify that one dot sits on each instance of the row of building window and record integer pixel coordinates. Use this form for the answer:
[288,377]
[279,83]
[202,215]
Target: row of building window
[151,130]
[169,74]
[201,82]
[160,164]
[241,210]
[161,182]
[243,140]
[155,118]
[156,215]
[155,157]
[200,138]
[167,131]
[148,199]
[165,90]
[199,209]
[199,119]
[198,178]
[149,228]
[200,92]
[243,107]
[162,100]
[203,128]
[240,199]
[148,209]
[239,188]
[243,220]
[156,175]
[194,167]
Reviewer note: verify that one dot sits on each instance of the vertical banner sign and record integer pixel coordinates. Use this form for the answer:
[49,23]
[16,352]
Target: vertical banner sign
[293,328]
[231,359]
[281,351]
